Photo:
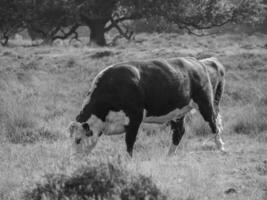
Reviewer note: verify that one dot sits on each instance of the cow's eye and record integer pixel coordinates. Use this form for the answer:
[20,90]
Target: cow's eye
[85,126]
[78,140]
[100,133]
[88,133]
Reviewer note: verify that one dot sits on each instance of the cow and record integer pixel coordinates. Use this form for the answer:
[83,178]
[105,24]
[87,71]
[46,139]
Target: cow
[124,95]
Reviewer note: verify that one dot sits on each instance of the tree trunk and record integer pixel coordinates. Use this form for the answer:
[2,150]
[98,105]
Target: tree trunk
[97,35]
[4,39]
[47,41]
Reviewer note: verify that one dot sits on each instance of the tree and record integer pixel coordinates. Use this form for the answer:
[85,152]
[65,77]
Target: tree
[11,19]
[192,15]
[103,15]
[50,19]
[53,19]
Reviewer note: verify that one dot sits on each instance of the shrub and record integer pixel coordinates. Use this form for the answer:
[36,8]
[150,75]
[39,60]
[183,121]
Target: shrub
[141,188]
[102,181]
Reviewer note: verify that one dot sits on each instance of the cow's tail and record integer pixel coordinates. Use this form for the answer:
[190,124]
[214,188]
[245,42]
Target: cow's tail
[218,94]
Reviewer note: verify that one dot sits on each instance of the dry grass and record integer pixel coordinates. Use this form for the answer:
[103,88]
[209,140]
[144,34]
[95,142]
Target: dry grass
[249,120]
[42,89]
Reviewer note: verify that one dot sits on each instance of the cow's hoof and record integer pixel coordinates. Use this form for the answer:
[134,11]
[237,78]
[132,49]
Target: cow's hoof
[224,151]
[170,154]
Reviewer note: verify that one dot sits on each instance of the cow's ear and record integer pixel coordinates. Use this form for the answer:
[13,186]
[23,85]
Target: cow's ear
[86,126]
[72,127]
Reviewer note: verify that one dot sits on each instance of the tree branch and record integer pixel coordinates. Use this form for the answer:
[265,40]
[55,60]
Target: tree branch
[186,24]
[67,34]
[125,34]
[116,21]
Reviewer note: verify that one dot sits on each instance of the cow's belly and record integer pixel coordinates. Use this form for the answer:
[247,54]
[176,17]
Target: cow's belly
[116,121]
[174,114]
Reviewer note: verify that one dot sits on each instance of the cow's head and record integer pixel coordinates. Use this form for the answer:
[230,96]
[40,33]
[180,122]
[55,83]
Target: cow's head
[83,138]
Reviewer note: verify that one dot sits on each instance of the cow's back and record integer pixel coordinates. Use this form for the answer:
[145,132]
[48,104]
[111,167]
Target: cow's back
[159,86]
[154,84]
[165,88]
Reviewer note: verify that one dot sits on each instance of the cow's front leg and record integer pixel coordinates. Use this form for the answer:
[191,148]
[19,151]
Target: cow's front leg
[132,130]
[178,130]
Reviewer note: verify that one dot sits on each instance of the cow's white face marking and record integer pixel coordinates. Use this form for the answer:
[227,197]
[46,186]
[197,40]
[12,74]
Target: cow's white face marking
[82,138]
[115,123]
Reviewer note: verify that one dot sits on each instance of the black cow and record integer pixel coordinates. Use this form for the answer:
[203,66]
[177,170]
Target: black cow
[124,95]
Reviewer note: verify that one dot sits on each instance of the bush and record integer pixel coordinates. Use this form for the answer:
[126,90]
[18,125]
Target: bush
[103,181]
[141,188]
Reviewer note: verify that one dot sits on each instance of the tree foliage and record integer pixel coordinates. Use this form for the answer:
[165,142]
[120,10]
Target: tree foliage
[11,19]
[205,14]
[53,19]
[48,19]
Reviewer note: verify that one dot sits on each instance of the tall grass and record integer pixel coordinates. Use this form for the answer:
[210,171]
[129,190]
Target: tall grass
[19,110]
[247,120]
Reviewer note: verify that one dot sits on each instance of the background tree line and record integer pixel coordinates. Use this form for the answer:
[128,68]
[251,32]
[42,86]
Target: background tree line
[60,19]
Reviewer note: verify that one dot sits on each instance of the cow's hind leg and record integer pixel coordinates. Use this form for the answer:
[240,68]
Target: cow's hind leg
[132,130]
[206,108]
[217,97]
[178,130]
[218,139]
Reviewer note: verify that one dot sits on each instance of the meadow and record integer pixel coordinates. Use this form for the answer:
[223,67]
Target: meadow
[42,89]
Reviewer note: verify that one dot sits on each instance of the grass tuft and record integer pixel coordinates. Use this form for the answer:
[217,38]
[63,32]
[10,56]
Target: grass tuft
[18,118]
[71,63]
[102,54]
[249,120]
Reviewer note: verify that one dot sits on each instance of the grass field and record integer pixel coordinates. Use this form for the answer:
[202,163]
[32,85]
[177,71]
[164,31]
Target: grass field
[42,89]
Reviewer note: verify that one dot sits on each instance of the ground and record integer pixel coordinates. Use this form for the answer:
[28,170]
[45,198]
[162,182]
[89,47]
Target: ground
[42,89]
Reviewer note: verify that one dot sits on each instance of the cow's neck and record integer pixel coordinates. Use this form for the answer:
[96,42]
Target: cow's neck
[82,117]
[87,113]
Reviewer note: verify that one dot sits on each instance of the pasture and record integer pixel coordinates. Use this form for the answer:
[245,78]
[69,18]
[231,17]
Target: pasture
[42,90]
